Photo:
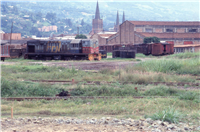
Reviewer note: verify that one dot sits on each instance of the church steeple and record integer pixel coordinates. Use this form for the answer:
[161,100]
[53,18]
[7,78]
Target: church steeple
[97,14]
[123,19]
[97,22]
[117,20]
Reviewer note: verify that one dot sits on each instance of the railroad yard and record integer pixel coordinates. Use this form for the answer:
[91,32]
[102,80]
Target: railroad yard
[147,93]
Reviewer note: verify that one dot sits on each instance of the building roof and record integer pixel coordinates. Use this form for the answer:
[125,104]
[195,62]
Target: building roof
[105,35]
[75,41]
[188,45]
[176,23]
[171,35]
[4,42]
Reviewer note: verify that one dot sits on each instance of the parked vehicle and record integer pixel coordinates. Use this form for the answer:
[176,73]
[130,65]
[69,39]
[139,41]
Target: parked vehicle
[77,49]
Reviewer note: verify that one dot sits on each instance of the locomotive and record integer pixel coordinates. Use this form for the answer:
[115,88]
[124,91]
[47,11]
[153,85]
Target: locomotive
[76,49]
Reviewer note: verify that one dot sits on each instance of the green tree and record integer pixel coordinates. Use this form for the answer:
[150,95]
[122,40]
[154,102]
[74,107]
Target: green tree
[34,31]
[39,16]
[151,39]
[81,36]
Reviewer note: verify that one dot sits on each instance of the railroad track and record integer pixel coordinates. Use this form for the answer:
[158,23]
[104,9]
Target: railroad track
[104,82]
[78,97]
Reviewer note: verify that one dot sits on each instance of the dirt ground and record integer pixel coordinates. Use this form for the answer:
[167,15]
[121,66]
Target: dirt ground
[67,128]
[87,65]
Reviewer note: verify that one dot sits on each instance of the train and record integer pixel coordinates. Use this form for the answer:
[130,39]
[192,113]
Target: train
[76,49]
[127,51]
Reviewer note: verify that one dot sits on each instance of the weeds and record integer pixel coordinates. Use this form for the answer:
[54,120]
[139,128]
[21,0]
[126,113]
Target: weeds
[188,96]
[170,115]
[19,89]
[185,55]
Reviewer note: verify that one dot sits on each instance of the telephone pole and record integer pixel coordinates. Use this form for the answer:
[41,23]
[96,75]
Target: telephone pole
[11,33]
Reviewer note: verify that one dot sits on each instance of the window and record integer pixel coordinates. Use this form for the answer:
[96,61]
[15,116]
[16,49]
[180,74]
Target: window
[192,30]
[169,30]
[148,30]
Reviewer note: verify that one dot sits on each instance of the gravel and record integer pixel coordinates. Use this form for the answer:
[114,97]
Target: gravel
[132,124]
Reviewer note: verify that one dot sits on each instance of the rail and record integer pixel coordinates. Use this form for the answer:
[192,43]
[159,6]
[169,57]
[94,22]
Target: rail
[105,82]
[79,97]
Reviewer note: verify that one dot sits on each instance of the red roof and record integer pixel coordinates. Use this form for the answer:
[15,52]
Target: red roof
[105,35]
[177,23]
[189,45]
[171,35]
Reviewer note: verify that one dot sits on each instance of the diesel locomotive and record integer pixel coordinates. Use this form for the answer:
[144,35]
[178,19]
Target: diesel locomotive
[76,49]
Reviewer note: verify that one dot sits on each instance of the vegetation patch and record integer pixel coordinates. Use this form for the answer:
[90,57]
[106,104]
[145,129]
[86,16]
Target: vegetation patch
[19,89]
[185,55]
[170,115]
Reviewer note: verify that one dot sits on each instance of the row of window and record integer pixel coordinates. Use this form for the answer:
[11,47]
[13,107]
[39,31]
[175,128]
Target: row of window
[179,50]
[171,30]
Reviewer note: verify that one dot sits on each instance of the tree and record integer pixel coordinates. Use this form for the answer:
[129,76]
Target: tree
[38,16]
[151,39]
[51,17]
[81,36]
[34,31]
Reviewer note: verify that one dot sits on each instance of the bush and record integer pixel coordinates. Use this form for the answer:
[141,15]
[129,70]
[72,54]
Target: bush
[170,115]
[19,89]
[104,91]
[188,96]
[161,91]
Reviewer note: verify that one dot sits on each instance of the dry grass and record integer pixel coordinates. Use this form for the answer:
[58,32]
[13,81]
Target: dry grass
[118,107]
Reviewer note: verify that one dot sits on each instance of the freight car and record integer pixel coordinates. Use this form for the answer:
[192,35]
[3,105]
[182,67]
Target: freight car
[77,49]
[155,49]
[5,51]
[124,52]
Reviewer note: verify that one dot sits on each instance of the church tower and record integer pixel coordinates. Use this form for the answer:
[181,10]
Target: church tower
[97,22]
[123,18]
[116,27]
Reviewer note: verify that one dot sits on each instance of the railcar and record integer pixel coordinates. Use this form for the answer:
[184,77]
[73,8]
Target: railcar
[77,49]
[4,50]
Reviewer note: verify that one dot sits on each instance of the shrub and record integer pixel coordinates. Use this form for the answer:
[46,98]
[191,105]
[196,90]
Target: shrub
[188,96]
[19,89]
[170,115]
[161,91]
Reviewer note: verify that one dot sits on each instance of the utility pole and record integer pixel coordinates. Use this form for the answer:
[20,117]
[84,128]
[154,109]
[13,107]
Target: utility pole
[11,33]
[78,30]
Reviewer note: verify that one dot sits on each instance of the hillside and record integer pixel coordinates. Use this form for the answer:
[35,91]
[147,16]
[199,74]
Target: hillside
[67,15]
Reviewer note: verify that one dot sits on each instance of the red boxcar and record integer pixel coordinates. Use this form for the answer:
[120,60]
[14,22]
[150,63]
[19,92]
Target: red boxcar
[5,51]
[157,49]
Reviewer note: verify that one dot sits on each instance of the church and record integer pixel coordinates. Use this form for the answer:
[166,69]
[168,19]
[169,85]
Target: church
[133,32]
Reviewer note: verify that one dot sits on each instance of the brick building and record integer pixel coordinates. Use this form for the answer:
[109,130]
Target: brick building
[14,36]
[188,47]
[133,32]
[97,23]
[48,28]
[102,37]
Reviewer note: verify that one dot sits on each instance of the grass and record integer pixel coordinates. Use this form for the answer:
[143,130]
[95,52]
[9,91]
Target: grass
[126,107]
[172,66]
[167,69]
[170,115]
[185,55]
[19,89]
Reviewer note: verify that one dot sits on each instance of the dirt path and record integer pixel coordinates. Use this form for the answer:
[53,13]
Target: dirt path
[66,128]
[87,65]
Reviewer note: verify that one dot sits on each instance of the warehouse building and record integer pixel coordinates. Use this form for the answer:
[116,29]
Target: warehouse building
[133,32]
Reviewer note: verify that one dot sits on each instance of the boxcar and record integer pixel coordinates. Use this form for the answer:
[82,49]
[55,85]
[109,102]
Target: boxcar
[4,50]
